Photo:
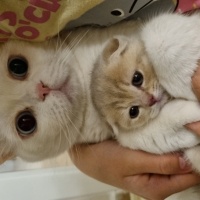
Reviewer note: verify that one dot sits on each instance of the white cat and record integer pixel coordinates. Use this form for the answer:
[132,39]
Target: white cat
[46,105]
[123,91]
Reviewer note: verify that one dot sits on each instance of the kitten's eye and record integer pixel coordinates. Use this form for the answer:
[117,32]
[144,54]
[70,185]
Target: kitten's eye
[26,123]
[17,67]
[137,79]
[134,111]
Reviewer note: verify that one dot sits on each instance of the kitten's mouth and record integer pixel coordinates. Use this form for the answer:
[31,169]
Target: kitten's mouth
[159,99]
[162,98]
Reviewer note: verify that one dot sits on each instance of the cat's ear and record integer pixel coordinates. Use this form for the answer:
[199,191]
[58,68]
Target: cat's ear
[115,48]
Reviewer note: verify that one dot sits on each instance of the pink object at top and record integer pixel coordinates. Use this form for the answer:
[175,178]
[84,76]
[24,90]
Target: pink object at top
[187,5]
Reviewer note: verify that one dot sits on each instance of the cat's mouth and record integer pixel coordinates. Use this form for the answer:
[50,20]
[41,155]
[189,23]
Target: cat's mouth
[159,98]
[162,98]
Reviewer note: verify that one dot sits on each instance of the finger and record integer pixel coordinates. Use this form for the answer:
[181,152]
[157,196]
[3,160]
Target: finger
[165,185]
[162,164]
[99,160]
[174,184]
[181,182]
[196,83]
[110,157]
[194,127]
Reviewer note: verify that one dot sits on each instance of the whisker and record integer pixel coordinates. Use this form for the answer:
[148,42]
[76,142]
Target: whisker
[59,47]
[78,39]
[63,126]
[77,130]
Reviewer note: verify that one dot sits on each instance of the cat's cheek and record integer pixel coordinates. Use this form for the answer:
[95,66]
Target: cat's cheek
[155,111]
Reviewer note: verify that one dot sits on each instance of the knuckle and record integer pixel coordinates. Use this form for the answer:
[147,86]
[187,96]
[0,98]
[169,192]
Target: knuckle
[166,167]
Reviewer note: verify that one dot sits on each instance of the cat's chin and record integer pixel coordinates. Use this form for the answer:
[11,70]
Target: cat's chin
[162,99]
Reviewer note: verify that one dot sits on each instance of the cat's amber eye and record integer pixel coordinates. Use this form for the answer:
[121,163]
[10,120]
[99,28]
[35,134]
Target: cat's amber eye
[134,111]
[25,123]
[17,67]
[137,79]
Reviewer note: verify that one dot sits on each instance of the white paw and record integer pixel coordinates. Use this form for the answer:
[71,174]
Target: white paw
[193,157]
[180,112]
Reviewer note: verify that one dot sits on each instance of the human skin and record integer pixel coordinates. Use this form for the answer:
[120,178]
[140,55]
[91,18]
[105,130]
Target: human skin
[150,176]
[195,127]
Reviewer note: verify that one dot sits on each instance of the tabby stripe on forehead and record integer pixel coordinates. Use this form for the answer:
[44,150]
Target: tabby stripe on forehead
[118,84]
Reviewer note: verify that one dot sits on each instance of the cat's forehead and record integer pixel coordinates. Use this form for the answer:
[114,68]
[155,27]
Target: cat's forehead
[127,63]
[20,48]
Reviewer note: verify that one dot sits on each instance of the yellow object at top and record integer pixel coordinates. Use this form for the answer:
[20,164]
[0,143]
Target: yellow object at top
[38,20]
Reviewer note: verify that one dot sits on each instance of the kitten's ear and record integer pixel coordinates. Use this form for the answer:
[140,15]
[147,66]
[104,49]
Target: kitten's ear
[115,48]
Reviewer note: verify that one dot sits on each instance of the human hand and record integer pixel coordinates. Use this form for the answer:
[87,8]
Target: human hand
[154,177]
[195,127]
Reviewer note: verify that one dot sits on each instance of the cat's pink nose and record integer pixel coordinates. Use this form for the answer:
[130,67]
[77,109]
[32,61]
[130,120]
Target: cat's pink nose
[42,91]
[152,100]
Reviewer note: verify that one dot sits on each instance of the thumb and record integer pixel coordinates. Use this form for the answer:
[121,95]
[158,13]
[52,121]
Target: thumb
[194,127]
[166,164]
[196,83]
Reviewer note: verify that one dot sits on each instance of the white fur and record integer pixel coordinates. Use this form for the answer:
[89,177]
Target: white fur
[173,45]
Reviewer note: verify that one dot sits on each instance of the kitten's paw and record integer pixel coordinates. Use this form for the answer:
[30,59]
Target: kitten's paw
[180,140]
[192,155]
[180,112]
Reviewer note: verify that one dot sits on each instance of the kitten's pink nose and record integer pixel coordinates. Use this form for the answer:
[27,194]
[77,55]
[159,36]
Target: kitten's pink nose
[42,91]
[152,100]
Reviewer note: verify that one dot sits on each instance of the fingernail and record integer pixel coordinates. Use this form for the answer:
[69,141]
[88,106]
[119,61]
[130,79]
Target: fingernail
[184,165]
